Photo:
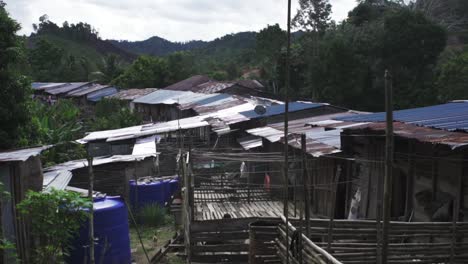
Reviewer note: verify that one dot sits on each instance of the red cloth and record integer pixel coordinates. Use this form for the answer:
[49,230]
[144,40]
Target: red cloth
[266,182]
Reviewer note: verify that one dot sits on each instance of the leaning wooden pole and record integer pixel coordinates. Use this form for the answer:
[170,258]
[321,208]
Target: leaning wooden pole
[334,187]
[388,182]
[91,209]
[286,112]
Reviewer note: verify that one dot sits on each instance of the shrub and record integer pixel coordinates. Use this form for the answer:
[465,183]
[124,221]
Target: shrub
[57,217]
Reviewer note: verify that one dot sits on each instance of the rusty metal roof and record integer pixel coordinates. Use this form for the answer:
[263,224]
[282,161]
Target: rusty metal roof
[132,94]
[188,84]
[424,134]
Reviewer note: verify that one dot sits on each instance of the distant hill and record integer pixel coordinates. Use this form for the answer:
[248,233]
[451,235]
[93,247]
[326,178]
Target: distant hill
[156,46]
[160,47]
[94,51]
[78,40]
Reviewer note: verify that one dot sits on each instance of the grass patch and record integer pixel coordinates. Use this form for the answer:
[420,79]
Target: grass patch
[153,215]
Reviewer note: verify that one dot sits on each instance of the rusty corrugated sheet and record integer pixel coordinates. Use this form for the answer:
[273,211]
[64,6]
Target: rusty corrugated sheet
[424,134]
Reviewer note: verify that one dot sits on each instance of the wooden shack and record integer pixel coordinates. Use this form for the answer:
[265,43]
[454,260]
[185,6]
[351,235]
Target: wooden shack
[430,171]
[20,171]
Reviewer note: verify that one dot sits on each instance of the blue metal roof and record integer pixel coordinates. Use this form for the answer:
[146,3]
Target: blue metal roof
[451,116]
[98,95]
[280,109]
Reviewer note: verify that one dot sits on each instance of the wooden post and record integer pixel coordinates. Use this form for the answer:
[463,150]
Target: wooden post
[409,182]
[455,215]
[306,183]
[135,178]
[333,207]
[91,209]
[388,182]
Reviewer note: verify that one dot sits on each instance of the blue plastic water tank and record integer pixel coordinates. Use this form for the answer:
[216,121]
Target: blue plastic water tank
[147,193]
[111,232]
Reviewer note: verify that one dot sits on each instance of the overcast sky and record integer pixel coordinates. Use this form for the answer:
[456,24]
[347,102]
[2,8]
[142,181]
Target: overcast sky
[175,20]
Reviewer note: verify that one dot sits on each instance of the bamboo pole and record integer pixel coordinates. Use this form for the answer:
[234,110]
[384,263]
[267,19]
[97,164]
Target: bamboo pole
[91,209]
[388,165]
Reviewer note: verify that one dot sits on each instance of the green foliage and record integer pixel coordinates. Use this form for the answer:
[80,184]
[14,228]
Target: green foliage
[144,72]
[453,77]
[152,215]
[50,63]
[63,152]
[180,65]
[57,216]
[52,124]
[313,15]
[112,114]
[14,87]
[110,68]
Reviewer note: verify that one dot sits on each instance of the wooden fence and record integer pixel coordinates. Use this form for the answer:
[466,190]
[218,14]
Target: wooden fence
[355,241]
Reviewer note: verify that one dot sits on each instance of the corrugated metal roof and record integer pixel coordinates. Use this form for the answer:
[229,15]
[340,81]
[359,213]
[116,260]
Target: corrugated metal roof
[67,88]
[86,90]
[46,85]
[132,94]
[58,179]
[451,116]
[424,134]
[170,97]
[250,142]
[77,164]
[21,154]
[225,116]
[145,145]
[269,133]
[280,109]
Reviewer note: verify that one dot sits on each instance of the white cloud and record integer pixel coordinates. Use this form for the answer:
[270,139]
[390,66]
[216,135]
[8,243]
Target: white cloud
[176,20]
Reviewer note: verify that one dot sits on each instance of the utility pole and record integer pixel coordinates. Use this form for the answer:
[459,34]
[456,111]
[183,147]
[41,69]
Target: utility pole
[91,210]
[388,182]
[286,110]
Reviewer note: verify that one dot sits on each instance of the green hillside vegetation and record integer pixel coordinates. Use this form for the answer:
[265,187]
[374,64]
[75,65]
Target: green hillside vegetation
[72,48]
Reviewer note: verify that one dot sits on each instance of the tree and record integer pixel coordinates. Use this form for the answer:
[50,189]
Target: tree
[313,15]
[14,87]
[269,42]
[453,77]
[353,57]
[45,59]
[144,72]
[180,66]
